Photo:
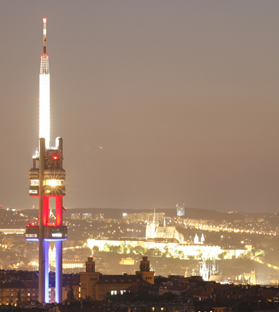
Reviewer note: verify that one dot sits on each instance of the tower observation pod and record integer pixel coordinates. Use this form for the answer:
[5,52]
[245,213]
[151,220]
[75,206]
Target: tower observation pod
[47,178]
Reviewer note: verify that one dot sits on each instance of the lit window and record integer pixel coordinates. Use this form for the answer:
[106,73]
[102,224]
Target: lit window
[56,234]
[34,182]
[33,192]
[53,183]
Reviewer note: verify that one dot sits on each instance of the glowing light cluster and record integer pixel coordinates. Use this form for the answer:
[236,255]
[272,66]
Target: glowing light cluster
[53,183]
[34,182]
[44,107]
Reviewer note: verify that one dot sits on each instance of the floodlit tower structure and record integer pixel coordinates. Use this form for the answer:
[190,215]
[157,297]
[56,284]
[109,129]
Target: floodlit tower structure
[46,180]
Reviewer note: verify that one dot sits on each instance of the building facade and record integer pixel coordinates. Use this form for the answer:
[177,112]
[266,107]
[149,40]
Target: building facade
[96,286]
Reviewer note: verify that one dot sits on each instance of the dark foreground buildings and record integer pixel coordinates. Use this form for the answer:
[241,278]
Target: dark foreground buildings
[142,291]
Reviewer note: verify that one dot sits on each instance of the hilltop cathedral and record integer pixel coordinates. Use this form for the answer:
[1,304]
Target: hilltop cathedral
[157,232]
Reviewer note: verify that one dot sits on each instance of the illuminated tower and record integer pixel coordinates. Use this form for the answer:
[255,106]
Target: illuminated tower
[46,180]
[145,272]
[88,279]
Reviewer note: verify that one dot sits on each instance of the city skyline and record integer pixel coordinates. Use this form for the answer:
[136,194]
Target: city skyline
[163,102]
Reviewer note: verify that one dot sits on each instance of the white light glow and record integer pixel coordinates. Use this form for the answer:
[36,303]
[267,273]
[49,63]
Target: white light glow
[44,118]
[36,155]
[53,183]
[33,192]
[56,234]
[34,182]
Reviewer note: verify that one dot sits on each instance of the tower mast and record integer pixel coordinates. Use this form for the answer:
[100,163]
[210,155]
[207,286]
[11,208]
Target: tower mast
[44,93]
[44,35]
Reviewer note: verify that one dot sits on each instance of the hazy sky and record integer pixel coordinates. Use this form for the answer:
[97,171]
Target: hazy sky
[182,96]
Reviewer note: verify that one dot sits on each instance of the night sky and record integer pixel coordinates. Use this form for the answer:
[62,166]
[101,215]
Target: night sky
[158,102]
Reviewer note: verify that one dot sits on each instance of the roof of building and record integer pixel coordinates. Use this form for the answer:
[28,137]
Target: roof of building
[13,284]
[178,288]
[30,284]
[119,279]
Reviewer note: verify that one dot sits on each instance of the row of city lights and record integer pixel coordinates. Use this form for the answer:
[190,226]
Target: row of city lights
[265,263]
[213,228]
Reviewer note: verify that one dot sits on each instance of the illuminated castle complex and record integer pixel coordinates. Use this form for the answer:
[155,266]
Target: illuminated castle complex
[46,180]
[155,231]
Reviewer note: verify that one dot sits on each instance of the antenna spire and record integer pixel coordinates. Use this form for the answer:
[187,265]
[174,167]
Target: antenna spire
[44,35]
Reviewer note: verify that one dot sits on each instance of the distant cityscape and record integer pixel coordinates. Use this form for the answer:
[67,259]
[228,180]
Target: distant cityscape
[223,247]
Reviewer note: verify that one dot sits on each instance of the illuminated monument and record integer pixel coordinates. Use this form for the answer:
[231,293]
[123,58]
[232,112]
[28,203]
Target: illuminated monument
[46,180]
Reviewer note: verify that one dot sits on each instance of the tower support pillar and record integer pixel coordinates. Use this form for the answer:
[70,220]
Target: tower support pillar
[46,251]
[41,225]
[58,211]
[58,272]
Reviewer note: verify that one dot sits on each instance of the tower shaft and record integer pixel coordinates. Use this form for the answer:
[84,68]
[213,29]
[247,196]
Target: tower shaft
[41,225]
